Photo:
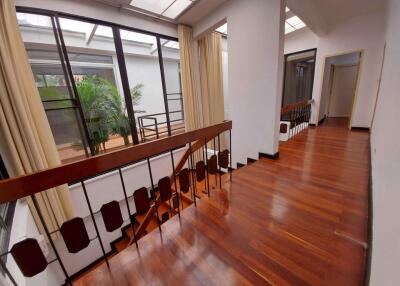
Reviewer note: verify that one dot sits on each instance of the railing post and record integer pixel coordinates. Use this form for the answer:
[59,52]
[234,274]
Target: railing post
[46,230]
[176,189]
[153,193]
[191,167]
[94,223]
[230,154]
[207,181]
[156,123]
[127,205]
[215,153]
[219,165]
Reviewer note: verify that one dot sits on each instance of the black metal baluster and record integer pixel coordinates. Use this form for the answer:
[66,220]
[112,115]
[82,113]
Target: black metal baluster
[230,154]
[94,223]
[176,188]
[194,187]
[154,193]
[206,161]
[46,230]
[127,205]
[215,153]
[219,165]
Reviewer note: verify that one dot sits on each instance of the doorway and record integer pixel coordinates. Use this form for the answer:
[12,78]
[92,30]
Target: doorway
[340,86]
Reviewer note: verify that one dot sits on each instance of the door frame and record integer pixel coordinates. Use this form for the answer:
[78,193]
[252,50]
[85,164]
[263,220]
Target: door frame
[359,71]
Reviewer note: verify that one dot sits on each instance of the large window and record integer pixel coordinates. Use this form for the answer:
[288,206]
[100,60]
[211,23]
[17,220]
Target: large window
[103,86]
[299,77]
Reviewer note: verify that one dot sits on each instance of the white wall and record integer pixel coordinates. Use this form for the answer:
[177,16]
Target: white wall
[255,72]
[100,11]
[300,40]
[364,33]
[385,141]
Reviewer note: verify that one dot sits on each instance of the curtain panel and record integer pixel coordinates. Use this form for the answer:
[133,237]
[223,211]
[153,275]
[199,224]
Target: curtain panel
[24,125]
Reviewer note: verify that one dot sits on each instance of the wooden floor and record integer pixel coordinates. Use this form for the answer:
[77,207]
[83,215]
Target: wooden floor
[299,220]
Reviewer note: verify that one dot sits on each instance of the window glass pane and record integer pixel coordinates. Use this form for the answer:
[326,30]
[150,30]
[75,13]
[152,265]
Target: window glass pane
[143,69]
[38,35]
[170,52]
[91,51]
[299,77]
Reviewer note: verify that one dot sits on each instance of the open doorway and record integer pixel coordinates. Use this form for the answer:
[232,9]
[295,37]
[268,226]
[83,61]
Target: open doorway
[340,86]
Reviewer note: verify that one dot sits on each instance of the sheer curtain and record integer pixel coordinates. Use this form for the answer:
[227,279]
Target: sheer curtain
[191,100]
[24,126]
[212,93]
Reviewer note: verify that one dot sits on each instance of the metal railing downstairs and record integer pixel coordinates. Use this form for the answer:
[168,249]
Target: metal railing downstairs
[27,253]
[294,119]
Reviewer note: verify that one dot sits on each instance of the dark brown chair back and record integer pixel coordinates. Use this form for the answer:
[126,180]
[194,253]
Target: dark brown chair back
[200,171]
[184,181]
[164,187]
[142,201]
[112,216]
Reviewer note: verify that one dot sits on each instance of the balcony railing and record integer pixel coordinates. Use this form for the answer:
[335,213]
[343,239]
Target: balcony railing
[295,118]
[27,253]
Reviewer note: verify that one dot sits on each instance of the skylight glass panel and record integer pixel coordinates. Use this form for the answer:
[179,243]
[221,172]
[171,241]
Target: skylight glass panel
[167,8]
[223,29]
[293,23]
[155,6]
[176,8]
[288,28]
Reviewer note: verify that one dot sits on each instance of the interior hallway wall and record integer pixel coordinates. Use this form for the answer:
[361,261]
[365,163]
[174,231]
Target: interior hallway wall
[255,71]
[365,32]
[385,153]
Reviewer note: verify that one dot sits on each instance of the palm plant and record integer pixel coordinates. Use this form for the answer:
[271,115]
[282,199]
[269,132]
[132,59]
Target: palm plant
[99,100]
[104,110]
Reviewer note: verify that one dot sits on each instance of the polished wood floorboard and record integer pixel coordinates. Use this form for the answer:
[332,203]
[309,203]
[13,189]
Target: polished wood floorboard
[299,220]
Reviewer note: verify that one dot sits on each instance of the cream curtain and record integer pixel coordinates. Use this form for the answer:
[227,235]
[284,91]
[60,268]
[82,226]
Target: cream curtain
[190,99]
[24,124]
[212,93]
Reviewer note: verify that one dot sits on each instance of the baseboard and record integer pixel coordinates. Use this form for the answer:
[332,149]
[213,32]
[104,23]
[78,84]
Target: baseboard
[367,273]
[250,160]
[239,165]
[269,156]
[354,128]
[322,120]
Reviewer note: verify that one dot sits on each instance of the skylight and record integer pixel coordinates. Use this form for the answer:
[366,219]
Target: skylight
[166,8]
[293,23]
[223,29]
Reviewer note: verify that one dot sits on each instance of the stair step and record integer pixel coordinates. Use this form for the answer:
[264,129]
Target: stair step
[239,165]
[251,161]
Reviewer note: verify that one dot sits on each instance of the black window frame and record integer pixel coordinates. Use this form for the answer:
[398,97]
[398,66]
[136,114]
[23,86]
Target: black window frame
[315,50]
[55,15]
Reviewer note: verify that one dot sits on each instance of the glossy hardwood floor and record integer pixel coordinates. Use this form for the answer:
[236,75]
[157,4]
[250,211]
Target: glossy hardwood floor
[299,220]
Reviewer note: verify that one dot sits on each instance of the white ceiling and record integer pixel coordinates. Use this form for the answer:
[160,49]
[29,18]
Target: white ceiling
[200,9]
[337,10]
[319,15]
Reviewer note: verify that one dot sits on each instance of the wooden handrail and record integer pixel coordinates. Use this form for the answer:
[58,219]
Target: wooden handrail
[290,107]
[23,186]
